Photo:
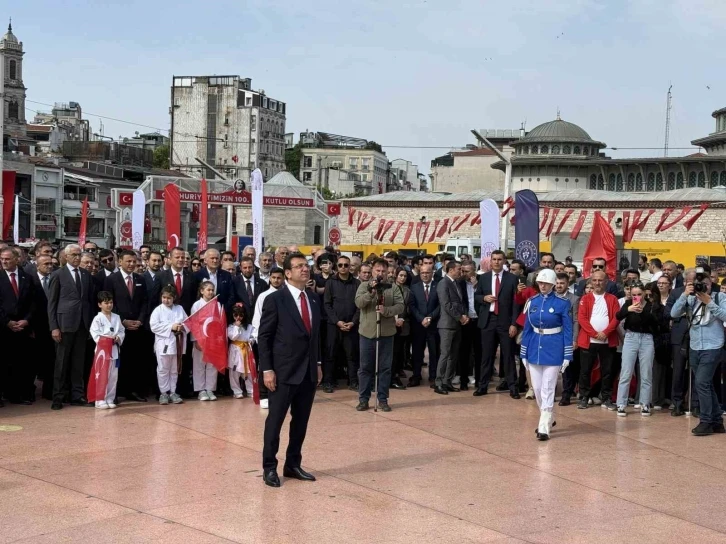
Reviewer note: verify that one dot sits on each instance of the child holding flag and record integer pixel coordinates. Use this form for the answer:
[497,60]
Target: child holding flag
[169,343]
[204,372]
[241,361]
[108,332]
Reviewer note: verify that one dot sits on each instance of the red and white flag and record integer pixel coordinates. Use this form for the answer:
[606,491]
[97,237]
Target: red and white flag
[98,381]
[209,328]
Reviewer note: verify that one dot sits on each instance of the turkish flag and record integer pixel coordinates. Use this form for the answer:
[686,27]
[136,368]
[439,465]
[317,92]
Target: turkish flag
[98,381]
[601,245]
[333,208]
[209,327]
[202,233]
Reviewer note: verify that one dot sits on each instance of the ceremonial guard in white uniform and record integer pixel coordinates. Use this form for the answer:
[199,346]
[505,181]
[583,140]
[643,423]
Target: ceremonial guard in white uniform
[546,346]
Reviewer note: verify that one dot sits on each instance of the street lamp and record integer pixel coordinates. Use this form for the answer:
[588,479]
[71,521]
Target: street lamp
[507,186]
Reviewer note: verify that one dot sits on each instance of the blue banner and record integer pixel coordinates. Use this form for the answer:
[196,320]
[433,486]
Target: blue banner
[526,228]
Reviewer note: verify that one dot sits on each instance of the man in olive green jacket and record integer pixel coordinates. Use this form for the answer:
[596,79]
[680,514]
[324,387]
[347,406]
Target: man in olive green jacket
[366,299]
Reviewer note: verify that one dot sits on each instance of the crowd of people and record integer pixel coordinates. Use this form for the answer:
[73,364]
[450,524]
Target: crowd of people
[651,338]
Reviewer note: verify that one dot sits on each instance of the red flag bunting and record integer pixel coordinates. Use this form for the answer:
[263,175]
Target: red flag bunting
[84,222]
[688,224]
[364,222]
[386,228]
[172,209]
[578,225]
[425,228]
[442,229]
[568,213]
[395,231]
[611,214]
[102,361]
[433,232]
[208,326]
[476,220]
[381,224]
[684,212]
[458,225]
[351,212]
[409,230]
[626,225]
[550,228]
[663,218]
[507,205]
[601,244]
[513,220]
[544,218]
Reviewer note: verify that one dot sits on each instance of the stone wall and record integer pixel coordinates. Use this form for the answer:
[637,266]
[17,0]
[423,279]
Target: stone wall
[285,226]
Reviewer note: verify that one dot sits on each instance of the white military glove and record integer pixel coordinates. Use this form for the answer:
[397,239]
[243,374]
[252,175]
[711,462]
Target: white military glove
[526,364]
[565,364]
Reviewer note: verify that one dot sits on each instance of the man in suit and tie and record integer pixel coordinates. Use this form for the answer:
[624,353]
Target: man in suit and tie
[453,316]
[44,346]
[131,303]
[222,280]
[152,278]
[107,260]
[248,286]
[470,333]
[16,309]
[70,313]
[186,287]
[423,305]
[289,346]
[498,312]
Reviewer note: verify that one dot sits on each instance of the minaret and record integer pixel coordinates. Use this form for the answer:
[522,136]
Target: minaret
[11,51]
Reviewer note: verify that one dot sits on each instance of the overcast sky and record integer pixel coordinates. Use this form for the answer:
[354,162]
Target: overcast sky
[401,73]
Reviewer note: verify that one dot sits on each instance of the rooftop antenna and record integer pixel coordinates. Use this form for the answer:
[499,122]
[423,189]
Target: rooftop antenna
[558,114]
[668,121]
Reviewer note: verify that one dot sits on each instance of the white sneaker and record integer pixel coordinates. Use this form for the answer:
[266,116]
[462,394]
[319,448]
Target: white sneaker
[597,401]
[530,394]
[111,405]
[657,407]
[101,405]
[638,406]
[164,399]
[239,396]
[264,404]
[472,380]
[211,395]
[203,395]
[176,399]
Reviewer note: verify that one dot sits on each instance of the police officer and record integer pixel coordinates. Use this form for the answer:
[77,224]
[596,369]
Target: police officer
[546,346]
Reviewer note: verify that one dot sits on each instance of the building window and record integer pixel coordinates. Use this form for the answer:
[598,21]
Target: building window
[13,111]
[714,179]
[651,182]
[307,176]
[619,183]
[723,178]
[638,182]
[307,161]
[253,123]
[679,180]
[611,182]
[692,179]
[576,150]
[365,163]
[701,179]
[600,183]
[13,70]
[671,181]
[353,163]
[249,231]
[535,150]
[658,182]
[94,226]
[267,172]
[586,150]
[631,183]
[248,101]
[566,150]
[593,181]
[316,234]
[75,192]
[526,149]
[555,149]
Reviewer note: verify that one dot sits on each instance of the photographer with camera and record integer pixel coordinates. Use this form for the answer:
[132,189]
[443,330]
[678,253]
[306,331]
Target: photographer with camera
[706,315]
[379,303]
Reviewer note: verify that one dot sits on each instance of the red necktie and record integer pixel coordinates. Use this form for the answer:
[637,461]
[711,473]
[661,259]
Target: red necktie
[14,284]
[177,284]
[497,285]
[427,292]
[305,313]
[130,285]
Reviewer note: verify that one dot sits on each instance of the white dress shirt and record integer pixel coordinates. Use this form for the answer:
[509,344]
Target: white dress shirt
[73,272]
[213,279]
[494,286]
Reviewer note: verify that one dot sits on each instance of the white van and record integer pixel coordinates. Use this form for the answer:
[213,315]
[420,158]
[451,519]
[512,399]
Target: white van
[459,246]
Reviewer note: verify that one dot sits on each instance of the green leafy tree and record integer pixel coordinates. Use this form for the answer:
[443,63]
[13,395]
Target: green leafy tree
[293,157]
[375,146]
[161,157]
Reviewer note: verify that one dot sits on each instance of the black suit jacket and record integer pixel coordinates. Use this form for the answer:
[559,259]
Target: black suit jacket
[188,296]
[40,313]
[419,307]
[508,308]
[285,346]
[224,287]
[680,324]
[134,307]
[16,308]
[259,286]
[67,310]
[153,291]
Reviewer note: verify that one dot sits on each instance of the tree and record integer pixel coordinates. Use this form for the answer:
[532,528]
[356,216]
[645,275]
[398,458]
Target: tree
[374,146]
[293,157]
[161,157]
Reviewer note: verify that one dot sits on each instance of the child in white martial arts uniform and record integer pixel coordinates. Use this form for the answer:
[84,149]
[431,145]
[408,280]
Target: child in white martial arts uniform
[205,374]
[107,323]
[166,324]
[240,358]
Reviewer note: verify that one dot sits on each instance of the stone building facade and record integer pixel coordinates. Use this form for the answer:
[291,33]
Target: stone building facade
[14,106]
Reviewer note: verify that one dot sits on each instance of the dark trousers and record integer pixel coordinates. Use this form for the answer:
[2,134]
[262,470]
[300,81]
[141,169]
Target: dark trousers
[705,364]
[341,342]
[132,374]
[264,392]
[298,399]
[184,384]
[326,357]
[399,355]
[571,375]
[422,338]
[70,357]
[470,344]
[604,353]
[496,334]
[681,378]
[661,375]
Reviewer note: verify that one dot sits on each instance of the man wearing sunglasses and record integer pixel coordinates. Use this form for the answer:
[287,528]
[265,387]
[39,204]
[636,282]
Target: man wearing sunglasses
[339,304]
[107,259]
[598,264]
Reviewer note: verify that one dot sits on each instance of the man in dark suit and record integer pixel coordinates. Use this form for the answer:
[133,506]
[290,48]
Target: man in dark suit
[247,286]
[70,313]
[44,347]
[440,273]
[289,345]
[107,260]
[221,279]
[470,333]
[152,277]
[131,303]
[425,260]
[670,269]
[680,346]
[453,316]
[610,287]
[498,312]
[16,309]
[186,286]
[423,305]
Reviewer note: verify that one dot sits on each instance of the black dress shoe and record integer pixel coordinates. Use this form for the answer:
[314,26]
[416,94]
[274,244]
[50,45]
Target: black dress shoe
[271,478]
[450,388]
[440,391]
[463,387]
[136,397]
[480,392]
[503,386]
[398,385]
[83,401]
[56,405]
[414,382]
[432,385]
[21,402]
[362,406]
[515,395]
[328,388]
[298,473]
[564,401]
